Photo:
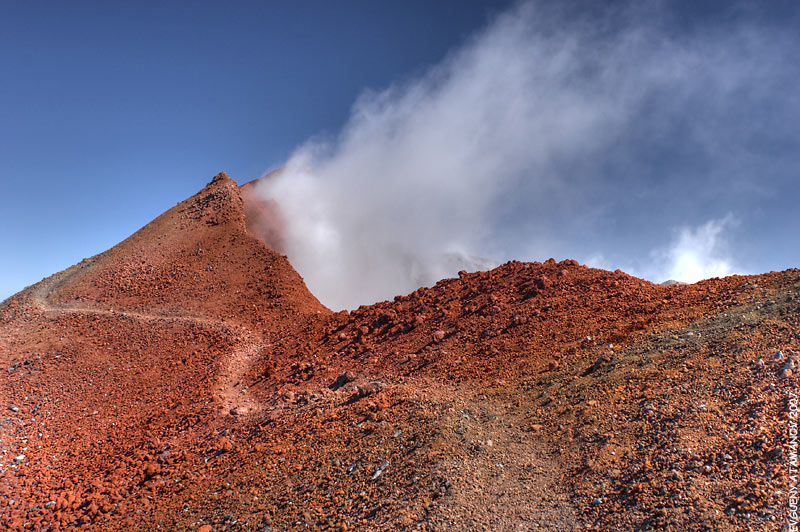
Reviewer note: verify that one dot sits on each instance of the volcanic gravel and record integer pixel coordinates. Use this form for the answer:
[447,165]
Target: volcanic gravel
[186,379]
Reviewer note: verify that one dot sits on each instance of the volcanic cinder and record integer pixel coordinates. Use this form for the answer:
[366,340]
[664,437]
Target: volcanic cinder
[186,379]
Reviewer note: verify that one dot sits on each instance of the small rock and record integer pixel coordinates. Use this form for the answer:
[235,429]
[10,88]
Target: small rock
[598,363]
[150,470]
[482,446]
[379,471]
[343,379]
[778,356]
[13,408]
[19,458]
[224,445]
[519,319]
[368,389]
[205,528]
[49,504]
[439,335]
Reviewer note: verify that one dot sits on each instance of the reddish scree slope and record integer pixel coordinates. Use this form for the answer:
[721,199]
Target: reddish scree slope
[187,380]
[197,258]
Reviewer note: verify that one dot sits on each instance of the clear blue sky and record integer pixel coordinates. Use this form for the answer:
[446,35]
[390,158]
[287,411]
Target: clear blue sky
[113,112]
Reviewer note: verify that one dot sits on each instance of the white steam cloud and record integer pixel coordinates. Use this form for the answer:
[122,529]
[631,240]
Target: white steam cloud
[695,254]
[526,143]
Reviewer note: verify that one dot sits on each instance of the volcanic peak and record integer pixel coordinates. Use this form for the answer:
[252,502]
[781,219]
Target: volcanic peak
[199,258]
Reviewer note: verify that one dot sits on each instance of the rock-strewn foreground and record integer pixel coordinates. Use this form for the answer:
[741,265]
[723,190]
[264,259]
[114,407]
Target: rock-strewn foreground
[186,379]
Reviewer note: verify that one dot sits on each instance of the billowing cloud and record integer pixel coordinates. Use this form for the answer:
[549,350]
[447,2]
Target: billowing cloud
[568,133]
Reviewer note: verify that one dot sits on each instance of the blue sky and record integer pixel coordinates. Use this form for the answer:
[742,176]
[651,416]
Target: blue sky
[659,139]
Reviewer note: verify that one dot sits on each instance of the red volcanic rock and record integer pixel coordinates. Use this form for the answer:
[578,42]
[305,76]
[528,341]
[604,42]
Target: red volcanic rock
[187,380]
[369,388]
[150,470]
[224,445]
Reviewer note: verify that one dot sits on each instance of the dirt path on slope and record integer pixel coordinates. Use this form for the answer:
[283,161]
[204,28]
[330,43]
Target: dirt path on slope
[505,477]
[233,394]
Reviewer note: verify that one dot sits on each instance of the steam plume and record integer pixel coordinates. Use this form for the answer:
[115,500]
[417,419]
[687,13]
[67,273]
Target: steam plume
[696,254]
[573,133]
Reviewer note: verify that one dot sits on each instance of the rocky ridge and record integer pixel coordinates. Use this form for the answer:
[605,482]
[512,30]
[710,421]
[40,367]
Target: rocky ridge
[186,379]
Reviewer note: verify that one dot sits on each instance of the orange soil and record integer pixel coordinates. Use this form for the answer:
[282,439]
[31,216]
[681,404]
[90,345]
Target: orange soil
[186,379]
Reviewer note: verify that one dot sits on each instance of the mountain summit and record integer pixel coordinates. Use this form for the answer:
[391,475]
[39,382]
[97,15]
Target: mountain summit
[197,257]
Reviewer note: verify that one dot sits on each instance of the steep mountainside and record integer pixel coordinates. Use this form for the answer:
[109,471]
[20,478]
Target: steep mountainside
[197,257]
